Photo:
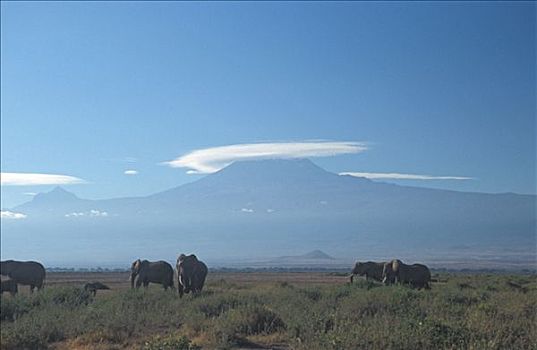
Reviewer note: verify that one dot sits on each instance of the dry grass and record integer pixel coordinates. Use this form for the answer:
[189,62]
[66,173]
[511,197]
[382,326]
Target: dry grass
[275,310]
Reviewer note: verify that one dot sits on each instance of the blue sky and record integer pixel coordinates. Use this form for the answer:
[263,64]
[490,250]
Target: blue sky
[93,89]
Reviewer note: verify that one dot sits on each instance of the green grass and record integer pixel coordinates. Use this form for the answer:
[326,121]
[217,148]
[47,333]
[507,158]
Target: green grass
[465,312]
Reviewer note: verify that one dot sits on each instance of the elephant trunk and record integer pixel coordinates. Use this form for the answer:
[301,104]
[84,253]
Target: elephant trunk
[133,277]
[351,277]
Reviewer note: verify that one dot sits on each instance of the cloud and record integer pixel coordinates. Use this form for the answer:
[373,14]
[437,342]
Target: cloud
[29,193]
[246,210]
[130,172]
[397,176]
[121,160]
[210,160]
[6,214]
[91,213]
[32,179]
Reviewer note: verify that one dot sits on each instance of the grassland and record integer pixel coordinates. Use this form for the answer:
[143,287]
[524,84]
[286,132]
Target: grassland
[276,310]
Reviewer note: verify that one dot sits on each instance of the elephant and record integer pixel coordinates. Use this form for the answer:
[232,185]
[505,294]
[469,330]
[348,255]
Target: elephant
[370,269]
[151,272]
[9,286]
[191,274]
[94,286]
[29,273]
[416,275]
[390,271]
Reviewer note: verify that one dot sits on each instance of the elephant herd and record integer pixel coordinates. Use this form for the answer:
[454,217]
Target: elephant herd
[395,271]
[191,274]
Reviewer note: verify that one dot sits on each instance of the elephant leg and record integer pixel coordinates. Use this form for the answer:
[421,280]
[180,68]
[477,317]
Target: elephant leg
[32,288]
[180,290]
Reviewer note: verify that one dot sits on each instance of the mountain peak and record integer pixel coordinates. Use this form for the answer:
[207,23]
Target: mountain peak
[317,254]
[314,255]
[57,193]
[273,170]
[275,164]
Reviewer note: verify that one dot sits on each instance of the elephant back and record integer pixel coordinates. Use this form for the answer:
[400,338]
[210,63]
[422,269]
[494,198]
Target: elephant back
[417,274]
[160,266]
[201,269]
[370,268]
[25,272]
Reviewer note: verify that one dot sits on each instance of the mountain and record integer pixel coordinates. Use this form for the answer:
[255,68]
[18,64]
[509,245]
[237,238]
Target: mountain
[259,208]
[313,255]
[318,255]
[316,258]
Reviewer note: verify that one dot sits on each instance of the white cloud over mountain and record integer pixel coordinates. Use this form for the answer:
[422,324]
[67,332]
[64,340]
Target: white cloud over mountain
[6,214]
[91,213]
[32,179]
[210,160]
[398,176]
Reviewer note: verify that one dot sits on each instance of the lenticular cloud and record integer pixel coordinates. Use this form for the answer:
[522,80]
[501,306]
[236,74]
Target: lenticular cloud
[397,176]
[210,160]
[33,179]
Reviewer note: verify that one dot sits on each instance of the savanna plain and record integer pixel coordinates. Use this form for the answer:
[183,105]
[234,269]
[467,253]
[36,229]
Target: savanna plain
[275,310]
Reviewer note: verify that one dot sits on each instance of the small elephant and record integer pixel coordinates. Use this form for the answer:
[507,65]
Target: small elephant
[191,274]
[151,272]
[370,269]
[29,273]
[416,275]
[9,286]
[94,286]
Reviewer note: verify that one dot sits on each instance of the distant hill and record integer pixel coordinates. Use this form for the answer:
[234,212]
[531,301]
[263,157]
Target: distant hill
[313,255]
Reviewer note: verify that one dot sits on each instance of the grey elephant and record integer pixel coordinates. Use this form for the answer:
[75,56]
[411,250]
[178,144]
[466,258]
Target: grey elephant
[416,275]
[368,269]
[390,271]
[151,272]
[191,274]
[9,286]
[94,287]
[29,273]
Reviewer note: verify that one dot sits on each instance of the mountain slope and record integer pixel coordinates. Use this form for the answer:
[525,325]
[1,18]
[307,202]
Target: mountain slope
[254,207]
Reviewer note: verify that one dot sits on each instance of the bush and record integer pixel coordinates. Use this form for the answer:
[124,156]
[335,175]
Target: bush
[170,342]
[492,314]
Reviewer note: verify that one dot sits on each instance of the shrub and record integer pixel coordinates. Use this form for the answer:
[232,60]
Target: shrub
[170,342]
